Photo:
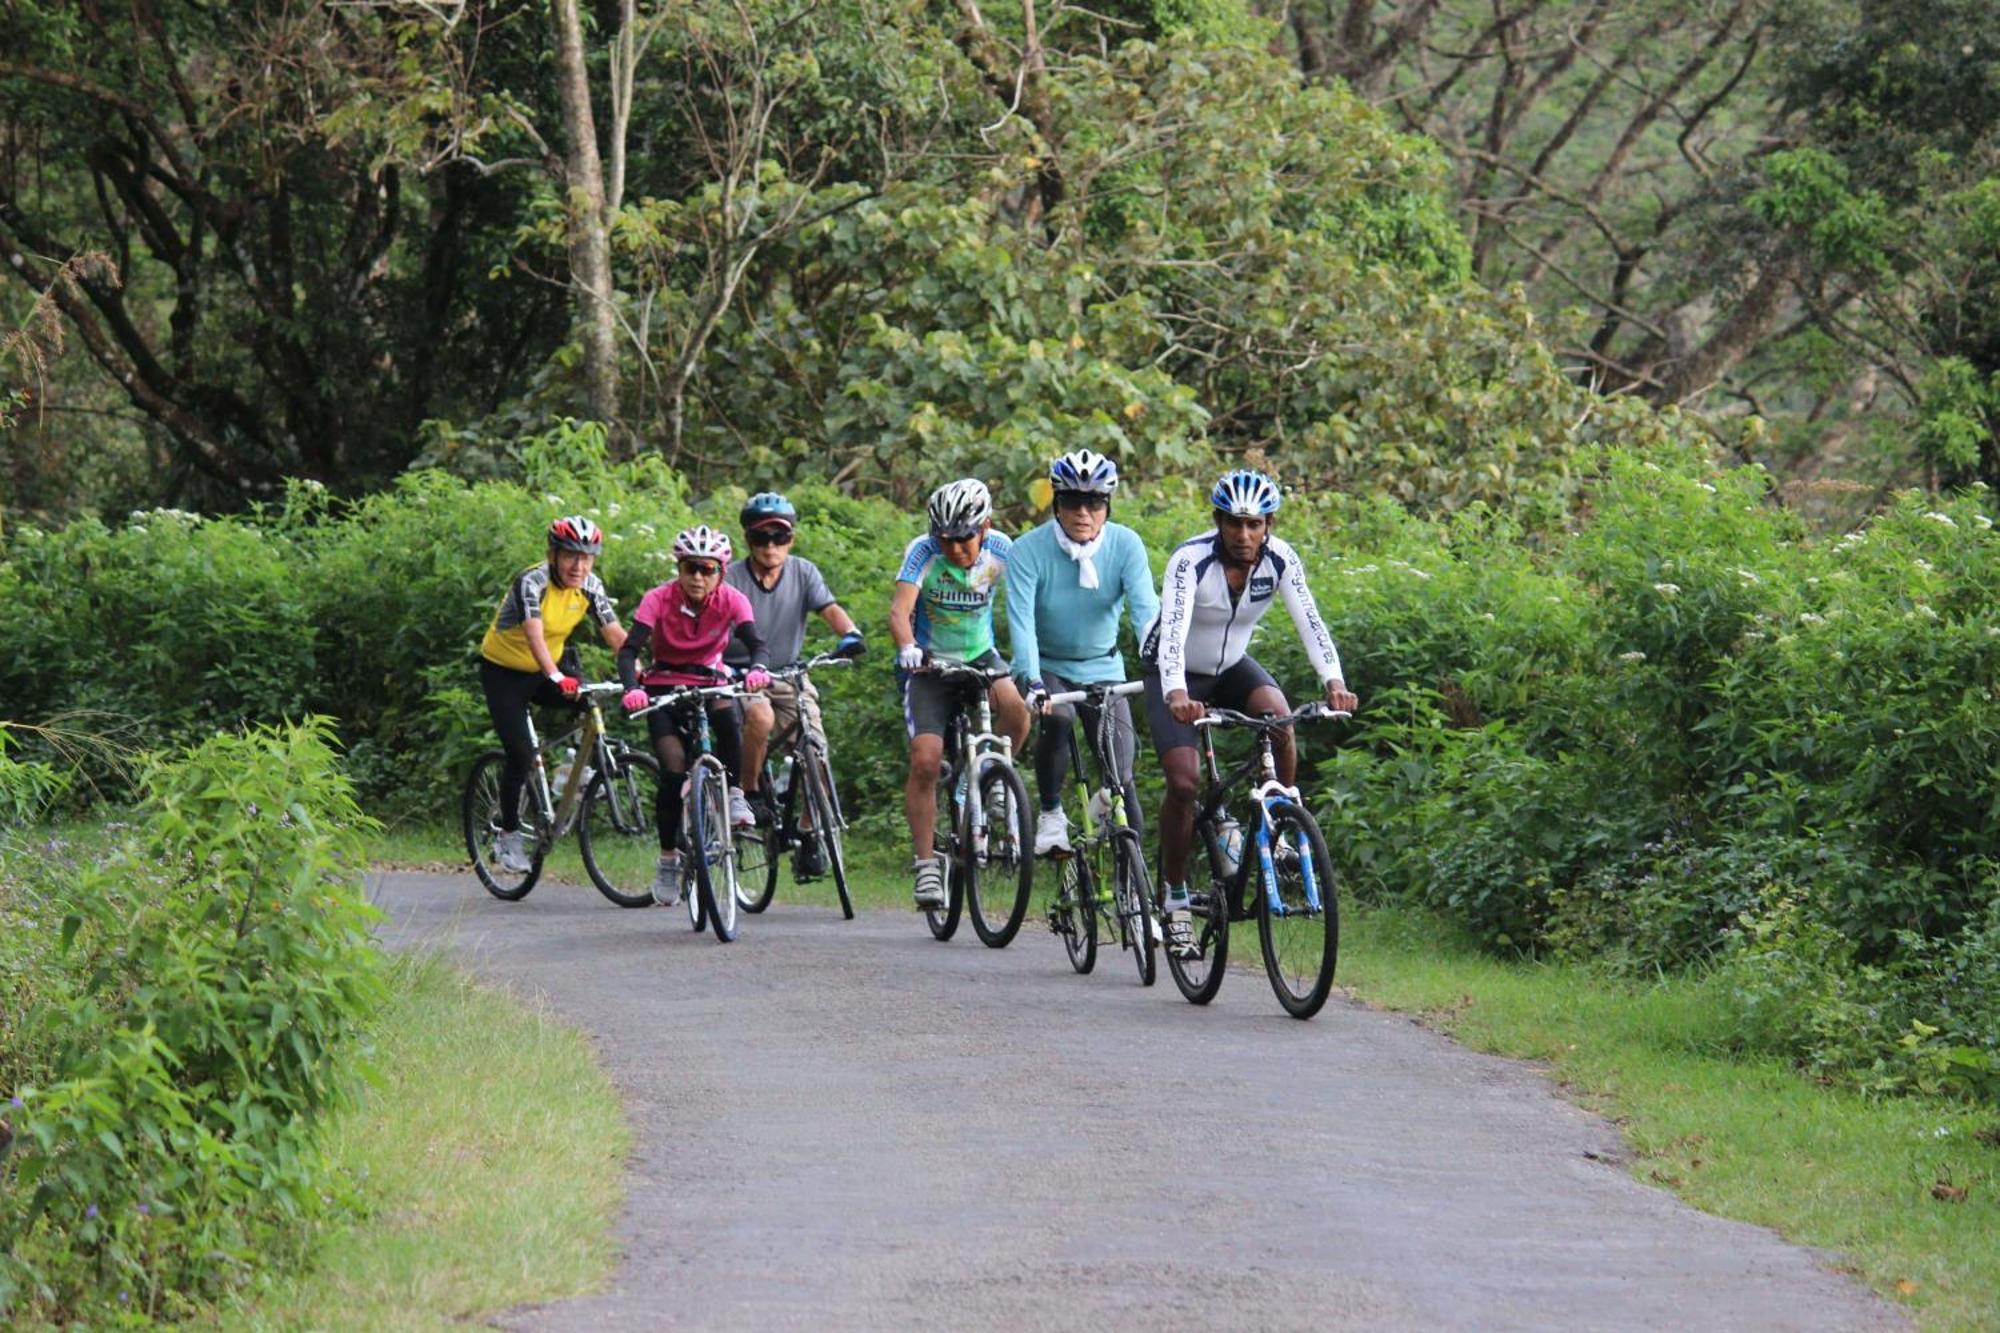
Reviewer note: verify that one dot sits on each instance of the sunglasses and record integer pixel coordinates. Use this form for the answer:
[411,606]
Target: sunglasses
[1082,500]
[704,568]
[770,537]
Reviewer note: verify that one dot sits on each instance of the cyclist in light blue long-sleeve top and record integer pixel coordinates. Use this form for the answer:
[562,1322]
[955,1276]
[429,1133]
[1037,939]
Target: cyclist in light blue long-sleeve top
[1065,583]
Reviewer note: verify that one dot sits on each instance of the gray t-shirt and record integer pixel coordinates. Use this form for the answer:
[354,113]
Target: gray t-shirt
[781,610]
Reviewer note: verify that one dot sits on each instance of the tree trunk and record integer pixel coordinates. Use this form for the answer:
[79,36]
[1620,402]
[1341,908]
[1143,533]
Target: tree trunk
[589,235]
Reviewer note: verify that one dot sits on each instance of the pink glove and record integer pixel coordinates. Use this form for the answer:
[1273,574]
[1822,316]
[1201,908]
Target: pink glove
[569,685]
[634,700]
[756,678]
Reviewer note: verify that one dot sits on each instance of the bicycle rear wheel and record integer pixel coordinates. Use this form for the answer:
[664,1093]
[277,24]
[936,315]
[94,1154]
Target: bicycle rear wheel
[824,808]
[943,921]
[479,814]
[1000,877]
[620,846]
[1071,915]
[1134,896]
[1200,976]
[1301,940]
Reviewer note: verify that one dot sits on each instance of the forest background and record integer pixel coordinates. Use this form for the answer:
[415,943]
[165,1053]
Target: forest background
[1632,370]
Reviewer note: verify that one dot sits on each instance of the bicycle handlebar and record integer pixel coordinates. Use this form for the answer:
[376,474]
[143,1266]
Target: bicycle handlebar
[961,671]
[1100,690]
[1229,717]
[680,694]
[810,665]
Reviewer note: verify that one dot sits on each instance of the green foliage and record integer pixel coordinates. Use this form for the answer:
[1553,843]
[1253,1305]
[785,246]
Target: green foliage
[197,995]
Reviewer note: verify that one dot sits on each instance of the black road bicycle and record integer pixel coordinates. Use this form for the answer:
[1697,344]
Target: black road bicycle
[1102,882]
[805,820]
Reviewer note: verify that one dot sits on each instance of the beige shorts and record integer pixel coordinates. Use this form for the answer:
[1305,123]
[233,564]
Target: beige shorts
[788,701]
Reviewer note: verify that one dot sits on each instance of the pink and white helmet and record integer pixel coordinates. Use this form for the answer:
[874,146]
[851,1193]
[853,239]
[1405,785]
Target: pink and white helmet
[701,542]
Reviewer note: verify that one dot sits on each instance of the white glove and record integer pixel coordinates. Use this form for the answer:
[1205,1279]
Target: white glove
[909,657]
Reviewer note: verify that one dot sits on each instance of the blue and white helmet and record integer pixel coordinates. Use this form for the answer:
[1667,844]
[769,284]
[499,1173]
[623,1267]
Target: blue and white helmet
[1245,494]
[958,508]
[1083,471]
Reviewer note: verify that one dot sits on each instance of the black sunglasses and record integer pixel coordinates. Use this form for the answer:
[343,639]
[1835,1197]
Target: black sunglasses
[701,567]
[770,537]
[1082,500]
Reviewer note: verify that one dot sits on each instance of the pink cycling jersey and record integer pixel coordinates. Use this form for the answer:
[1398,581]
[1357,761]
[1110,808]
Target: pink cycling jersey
[682,635]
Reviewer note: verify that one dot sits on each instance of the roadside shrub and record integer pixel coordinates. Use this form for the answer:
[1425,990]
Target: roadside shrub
[197,995]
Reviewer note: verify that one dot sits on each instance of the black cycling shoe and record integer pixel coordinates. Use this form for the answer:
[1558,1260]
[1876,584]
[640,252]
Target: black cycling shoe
[808,862]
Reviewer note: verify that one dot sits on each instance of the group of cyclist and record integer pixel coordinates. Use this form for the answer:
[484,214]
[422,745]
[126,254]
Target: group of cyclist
[1068,582]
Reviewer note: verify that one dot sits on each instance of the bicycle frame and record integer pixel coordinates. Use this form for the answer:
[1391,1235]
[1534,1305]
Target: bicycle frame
[1268,790]
[595,749]
[801,741]
[974,743]
[1111,783]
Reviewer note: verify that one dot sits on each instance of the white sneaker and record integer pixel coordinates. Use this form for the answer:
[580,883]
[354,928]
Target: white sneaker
[740,813]
[930,882]
[1180,924]
[1052,832]
[667,880]
[511,849]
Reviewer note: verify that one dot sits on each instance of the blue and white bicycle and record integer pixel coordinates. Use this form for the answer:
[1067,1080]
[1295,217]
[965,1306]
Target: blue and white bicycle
[1281,853]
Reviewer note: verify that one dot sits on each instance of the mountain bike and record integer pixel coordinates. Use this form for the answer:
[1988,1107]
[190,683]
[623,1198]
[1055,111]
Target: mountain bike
[602,788]
[805,818]
[708,848]
[984,832]
[1108,852]
[1297,903]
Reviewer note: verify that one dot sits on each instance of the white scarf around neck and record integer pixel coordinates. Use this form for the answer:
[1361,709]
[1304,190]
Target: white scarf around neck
[1082,553]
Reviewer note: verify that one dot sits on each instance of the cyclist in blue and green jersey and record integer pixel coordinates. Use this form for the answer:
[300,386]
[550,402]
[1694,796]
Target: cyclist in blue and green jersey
[1065,583]
[942,609]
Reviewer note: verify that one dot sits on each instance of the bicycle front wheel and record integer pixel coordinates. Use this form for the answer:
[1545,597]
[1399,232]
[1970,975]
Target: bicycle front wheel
[1298,911]
[712,851]
[1001,873]
[1073,915]
[824,808]
[756,866]
[479,813]
[1134,895]
[620,846]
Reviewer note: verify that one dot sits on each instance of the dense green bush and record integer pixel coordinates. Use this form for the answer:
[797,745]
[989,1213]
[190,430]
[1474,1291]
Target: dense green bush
[188,1004]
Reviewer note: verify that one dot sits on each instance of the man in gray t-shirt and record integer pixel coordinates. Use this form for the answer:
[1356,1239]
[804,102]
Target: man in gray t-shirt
[783,590]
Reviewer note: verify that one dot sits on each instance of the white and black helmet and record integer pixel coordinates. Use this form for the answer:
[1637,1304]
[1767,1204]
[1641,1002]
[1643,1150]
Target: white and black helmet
[1084,472]
[576,533]
[1245,494]
[701,542]
[958,508]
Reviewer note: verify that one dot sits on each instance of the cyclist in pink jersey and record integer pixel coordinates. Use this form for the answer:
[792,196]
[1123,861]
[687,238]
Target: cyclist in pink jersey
[680,630]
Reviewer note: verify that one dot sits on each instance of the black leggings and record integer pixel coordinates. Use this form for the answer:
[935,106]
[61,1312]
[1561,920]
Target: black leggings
[508,695]
[725,732]
[1052,747]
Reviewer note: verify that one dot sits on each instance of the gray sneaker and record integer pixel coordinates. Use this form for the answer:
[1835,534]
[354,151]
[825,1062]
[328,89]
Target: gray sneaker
[740,813]
[511,850]
[667,880]
[930,882]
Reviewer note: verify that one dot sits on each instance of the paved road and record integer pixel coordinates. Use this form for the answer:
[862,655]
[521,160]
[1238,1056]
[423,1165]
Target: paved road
[849,1125]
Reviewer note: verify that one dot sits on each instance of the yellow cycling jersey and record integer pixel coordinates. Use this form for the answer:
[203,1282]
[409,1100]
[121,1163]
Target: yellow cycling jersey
[533,595]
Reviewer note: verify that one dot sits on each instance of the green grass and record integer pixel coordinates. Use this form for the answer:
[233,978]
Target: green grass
[1743,1137]
[488,1165]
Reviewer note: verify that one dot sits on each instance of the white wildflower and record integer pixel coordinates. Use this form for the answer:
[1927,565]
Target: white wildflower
[1418,572]
[1925,611]
[553,499]
[1937,516]
[1667,589]
[1747,576]
[611,509]
[1982,520]
[1710,489]
[1924,565]
[1634,656]
[1808,618]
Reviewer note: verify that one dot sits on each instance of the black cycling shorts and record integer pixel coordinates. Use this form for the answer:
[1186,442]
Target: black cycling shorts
[1231,689]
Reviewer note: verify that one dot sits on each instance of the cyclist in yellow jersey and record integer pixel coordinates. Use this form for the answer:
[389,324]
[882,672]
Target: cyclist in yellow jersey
[522,653]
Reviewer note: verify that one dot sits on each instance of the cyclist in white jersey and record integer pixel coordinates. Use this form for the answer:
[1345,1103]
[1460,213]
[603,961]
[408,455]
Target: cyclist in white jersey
[1216,588]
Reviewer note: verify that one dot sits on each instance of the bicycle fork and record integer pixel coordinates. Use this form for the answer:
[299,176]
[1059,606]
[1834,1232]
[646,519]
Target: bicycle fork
[1270,793]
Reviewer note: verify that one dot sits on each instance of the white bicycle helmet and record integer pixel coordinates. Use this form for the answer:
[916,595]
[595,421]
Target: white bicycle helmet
[1083,471]
[1245,494]
[701,542]
[958,508]
[576,533]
